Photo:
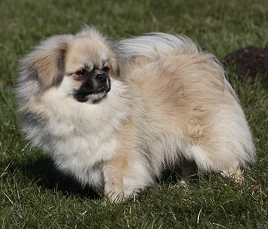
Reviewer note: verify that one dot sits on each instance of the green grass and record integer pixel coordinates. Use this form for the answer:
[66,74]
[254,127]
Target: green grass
[29,194]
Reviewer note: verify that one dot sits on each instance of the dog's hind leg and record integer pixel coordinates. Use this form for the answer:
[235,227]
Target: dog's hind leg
[207,161]
[235,173]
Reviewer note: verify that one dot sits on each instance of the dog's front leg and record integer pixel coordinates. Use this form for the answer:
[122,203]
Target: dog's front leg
[114,172]
[128,171]
[125,176]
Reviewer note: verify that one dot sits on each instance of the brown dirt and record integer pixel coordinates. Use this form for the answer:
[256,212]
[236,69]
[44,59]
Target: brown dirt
[249,63]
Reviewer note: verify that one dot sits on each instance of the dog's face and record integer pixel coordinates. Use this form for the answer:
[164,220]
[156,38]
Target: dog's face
[82,65]
[89,65]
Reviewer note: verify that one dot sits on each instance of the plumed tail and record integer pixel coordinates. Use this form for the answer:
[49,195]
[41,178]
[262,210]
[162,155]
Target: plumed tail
[156,45]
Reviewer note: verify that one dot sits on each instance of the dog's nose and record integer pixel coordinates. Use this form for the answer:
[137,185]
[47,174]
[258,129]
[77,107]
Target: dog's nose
[102,81]
[102,77]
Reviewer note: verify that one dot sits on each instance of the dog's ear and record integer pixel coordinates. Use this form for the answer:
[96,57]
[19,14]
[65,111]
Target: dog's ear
[46,62]
[120,66]
[115,64]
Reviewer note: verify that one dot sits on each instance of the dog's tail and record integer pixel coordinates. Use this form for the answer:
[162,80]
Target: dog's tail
[156,45]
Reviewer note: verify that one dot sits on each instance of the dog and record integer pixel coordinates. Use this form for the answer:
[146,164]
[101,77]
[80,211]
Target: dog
[114,114]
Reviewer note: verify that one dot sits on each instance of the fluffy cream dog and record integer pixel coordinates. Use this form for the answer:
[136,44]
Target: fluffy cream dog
[113,115]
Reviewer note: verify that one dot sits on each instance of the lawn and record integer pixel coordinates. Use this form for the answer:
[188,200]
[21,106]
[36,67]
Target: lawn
[34,195]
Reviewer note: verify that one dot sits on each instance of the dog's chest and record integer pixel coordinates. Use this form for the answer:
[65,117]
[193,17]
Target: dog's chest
[83,155]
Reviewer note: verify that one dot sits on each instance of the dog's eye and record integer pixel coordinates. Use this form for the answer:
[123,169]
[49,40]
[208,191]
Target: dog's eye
[82,73]
[106,69]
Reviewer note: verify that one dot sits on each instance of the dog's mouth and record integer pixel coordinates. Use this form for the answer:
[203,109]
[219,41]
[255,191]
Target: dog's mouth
[94,97]
[93,90]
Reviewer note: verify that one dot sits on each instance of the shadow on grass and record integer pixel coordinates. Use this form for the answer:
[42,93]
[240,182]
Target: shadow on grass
[184,170]
[43,172]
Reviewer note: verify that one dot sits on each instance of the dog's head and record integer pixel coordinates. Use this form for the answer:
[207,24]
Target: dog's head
[82,64]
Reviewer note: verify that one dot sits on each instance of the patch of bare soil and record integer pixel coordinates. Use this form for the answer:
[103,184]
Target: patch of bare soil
[249,63]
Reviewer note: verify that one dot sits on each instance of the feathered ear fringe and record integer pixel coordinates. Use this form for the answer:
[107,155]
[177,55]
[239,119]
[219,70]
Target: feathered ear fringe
[46,61]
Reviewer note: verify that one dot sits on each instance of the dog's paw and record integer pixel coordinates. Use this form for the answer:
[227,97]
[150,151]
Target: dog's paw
[235,174]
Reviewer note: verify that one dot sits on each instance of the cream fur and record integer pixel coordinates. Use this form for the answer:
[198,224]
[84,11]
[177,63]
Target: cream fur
[171,103]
